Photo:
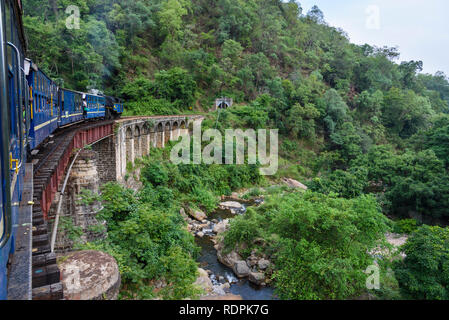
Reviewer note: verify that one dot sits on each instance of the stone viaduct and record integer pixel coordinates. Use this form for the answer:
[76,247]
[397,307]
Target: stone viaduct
[107,161]
[134,138]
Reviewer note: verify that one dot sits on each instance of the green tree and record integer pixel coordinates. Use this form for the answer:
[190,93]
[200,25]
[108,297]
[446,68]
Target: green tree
[175,85]
[424,272]
[405,113]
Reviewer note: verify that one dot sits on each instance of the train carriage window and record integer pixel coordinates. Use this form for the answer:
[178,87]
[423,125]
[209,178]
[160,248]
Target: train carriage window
[13,101]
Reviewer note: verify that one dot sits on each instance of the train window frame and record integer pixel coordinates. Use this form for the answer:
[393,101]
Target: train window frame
[2,225]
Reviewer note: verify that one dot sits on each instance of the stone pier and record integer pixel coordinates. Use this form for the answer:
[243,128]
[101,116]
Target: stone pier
[78,211]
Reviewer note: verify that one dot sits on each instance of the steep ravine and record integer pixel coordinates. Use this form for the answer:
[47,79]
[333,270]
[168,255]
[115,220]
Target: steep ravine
[222,277]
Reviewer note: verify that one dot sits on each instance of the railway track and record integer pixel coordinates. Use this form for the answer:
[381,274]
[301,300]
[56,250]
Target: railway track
[46,278]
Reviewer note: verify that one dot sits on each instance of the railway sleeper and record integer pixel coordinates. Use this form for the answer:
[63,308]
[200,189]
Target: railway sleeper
[40,230]
[41,250]
[44,276]
[44,260]
[50,292]
[40,240]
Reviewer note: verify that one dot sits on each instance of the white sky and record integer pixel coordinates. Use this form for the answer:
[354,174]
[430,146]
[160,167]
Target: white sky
[420,28]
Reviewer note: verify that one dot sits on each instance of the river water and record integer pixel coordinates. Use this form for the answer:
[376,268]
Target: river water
[209,261]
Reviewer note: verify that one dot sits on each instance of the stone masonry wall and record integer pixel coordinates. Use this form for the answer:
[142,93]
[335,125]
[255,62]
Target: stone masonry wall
[77,214]
[105,156]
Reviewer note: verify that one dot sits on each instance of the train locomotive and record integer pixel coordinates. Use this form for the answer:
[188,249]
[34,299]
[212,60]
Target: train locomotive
[33,107]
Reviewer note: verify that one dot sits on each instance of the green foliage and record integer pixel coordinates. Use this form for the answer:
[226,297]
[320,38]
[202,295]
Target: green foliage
[149,243]
[244,230]
[405,113]
[437,139]
[343,183]
[336,110]
[424,273]
[410,182]
[406,226]
[72,232]
[319,243]
[300,121]
[177,86]
[155,174]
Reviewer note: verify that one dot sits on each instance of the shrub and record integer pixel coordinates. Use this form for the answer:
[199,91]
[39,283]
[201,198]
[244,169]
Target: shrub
[407,226]
[424,273]
[155,174]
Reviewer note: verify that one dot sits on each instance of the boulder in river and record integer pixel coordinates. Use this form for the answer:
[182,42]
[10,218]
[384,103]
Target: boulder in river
[197,214]
[200,234]
[219,291]
[221,226]
[257,278]
[241,269]
[203,281]
[263,264]
[227,259]
[182,212]
[233,206]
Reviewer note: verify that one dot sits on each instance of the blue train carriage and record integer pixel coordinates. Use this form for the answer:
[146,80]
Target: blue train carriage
[114,108]
[118,107]
[94,106]
[14,122]
[44,105]
[70,107]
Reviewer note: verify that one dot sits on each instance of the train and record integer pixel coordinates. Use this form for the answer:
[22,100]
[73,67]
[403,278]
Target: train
[33,107]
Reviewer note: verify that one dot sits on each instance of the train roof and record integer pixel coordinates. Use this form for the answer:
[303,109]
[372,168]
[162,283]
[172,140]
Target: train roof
[94,95]
[74,91]
[35,68]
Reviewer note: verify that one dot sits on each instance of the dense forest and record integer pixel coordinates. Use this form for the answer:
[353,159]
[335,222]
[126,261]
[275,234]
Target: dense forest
[367,133]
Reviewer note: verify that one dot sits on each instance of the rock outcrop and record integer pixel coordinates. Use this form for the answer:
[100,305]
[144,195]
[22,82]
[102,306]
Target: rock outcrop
[197,214]
[221,226]
[263,264]
[294,184]
[257,278]
[233,207]
[203,281]
[241,269]
[90,275]
[228,259]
